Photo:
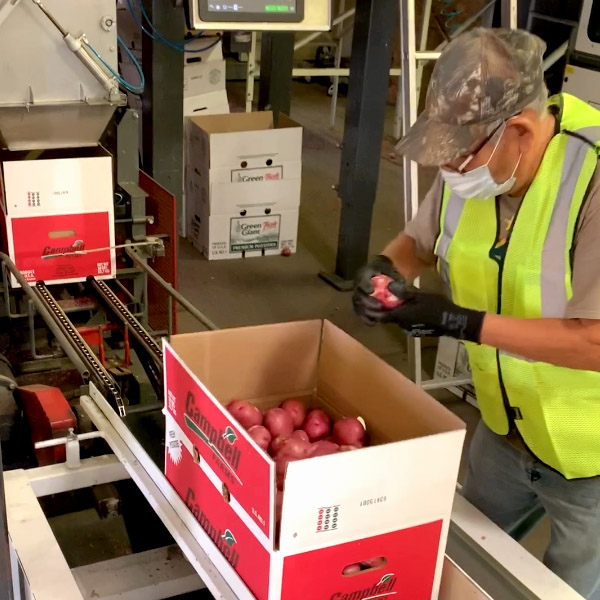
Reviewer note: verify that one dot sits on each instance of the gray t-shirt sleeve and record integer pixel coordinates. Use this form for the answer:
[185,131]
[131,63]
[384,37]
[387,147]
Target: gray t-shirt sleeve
[585,303]
[425,227]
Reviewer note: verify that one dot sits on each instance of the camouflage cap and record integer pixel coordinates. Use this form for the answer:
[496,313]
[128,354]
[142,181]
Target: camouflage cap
[482,78]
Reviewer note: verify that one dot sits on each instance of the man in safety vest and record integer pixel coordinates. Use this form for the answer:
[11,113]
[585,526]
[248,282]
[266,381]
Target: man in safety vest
[512,223]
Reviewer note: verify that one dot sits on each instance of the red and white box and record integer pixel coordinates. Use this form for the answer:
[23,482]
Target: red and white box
[58,214]
[392,499]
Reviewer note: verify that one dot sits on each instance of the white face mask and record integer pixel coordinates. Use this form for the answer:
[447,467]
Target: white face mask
[479,182]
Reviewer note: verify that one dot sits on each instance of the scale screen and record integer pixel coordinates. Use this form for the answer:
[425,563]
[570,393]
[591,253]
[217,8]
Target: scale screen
[265,11]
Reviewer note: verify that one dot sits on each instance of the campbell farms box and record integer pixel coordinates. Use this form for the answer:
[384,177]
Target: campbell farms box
[390,500]
[58,214]
[243,184]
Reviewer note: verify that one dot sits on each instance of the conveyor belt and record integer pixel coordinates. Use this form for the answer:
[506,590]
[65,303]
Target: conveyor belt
[148,350]
[98,374]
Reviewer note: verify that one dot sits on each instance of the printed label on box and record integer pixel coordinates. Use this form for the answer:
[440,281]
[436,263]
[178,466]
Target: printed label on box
[53,247]
[403,568]
[254,233]
[246,471]
[260,174]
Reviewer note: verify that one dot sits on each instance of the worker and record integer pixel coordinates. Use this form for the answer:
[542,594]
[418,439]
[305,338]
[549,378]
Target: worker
[512,223]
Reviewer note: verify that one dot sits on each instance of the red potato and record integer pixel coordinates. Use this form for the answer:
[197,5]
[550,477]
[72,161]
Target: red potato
[301,435]
[349,432]
[278,422]
[276,444]
[296,409]
[245,413]
[374,563]
[317,425]
[261,436]
[382,293]
[323,448]
[291,449]
[351,569]
[348,448]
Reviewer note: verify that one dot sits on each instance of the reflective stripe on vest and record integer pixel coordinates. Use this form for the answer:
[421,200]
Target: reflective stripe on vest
[556,410]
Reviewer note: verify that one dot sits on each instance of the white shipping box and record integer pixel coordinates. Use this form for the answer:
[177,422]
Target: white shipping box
[391,500]
[231,236]
[55,208]
[203,77]
[243,184]
[59,181]
[451,359]
[203,49]
[242,141]
[212,103]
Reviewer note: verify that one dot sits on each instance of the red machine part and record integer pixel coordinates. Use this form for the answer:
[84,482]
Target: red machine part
[49,416]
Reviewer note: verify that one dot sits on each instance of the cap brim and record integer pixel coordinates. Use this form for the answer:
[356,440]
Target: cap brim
[432,143]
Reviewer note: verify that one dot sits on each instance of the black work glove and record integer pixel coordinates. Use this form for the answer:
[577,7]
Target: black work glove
[425,314]
[369,309]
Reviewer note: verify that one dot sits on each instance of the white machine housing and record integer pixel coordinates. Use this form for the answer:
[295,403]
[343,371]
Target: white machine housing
[48,98]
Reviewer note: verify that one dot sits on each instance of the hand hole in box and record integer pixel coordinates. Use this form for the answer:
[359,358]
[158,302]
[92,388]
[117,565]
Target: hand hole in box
[226,494]
[196,456]
[243,213]
[267,211]
[269,162]
[370,564]
[243,164]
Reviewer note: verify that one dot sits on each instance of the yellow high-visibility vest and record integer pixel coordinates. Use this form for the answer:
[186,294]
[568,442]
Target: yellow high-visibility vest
[555,410]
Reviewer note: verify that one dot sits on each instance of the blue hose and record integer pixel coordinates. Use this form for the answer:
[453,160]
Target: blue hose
[154,34]
[124,84]
[449,11]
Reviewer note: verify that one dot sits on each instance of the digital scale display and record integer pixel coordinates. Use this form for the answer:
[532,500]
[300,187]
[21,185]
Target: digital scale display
[252,10]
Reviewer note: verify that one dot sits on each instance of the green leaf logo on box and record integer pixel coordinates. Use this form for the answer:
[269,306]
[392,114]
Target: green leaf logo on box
[229,538]
[230,435]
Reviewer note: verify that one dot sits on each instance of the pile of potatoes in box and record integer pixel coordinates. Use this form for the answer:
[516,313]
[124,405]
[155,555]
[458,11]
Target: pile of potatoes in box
[291,432]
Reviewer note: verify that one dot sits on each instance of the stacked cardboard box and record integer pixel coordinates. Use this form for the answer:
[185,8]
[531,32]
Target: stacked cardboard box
[204,78]
[242,188]
[56,207]
[390,501]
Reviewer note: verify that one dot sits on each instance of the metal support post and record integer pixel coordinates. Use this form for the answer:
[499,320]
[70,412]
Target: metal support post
[128,170]
[363,134]
[276,62]
[251,73]
[163,102]
[509,14]
[338,61]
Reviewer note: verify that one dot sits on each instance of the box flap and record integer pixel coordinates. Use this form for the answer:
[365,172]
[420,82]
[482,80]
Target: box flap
[253,362]
[361,383]
[235,122]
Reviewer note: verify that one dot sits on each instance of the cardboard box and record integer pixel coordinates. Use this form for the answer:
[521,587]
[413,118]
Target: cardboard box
[451,359]
[242,141]
[203,77]
[392,499]
[58,202]
[210,47]
[242,220]
[243,184]
[213,103]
